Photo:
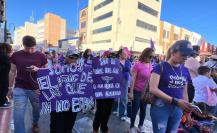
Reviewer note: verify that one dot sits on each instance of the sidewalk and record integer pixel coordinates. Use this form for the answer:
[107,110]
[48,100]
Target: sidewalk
[5,118]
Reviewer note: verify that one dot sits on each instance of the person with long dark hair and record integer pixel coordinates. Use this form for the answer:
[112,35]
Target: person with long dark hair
[5,52]
[87,54]
[141,72]
[122,55]
[103,109]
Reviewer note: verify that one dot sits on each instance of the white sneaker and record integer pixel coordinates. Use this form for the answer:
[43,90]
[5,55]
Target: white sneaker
[132,130]
[115,113]
[141,129]
[123,118]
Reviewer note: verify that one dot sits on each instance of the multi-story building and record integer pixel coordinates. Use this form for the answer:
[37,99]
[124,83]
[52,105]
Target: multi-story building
[196,38]
[116,23]
[70,33]
[41,32]
[1,35]
[29,28]
[55,29]
[170,33]
[47,31]
[83,25]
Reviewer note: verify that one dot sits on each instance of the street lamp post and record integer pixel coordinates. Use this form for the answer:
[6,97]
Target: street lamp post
[9,29]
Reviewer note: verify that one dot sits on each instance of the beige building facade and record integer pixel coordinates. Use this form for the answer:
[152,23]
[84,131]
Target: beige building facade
[170,33]
[117,23]
[47,31]
[83,25]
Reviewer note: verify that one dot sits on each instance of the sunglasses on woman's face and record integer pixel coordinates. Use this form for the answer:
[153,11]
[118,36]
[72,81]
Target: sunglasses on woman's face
[184,55]
[73,58]
[151,56]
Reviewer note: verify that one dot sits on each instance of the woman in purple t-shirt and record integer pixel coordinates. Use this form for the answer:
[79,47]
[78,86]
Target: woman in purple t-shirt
[141,72]
[169,83]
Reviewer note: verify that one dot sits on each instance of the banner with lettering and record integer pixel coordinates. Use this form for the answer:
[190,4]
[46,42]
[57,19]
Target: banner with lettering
[74,87]
[107,78]
[68,87]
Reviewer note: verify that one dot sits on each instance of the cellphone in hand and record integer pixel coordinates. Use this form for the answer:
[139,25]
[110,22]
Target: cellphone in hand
[29,68]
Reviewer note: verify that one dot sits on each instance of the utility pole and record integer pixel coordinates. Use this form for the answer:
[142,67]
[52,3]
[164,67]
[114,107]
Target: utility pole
[3,17]
[5,32]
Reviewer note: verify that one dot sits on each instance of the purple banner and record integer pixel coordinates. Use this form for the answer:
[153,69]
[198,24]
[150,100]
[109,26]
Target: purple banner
[75,87]
[66,87]
[107,78]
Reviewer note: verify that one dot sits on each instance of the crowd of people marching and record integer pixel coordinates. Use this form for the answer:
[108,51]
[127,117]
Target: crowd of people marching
[183,88]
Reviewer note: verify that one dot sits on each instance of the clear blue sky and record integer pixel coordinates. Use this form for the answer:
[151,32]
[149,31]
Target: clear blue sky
[19,11]
[196,15]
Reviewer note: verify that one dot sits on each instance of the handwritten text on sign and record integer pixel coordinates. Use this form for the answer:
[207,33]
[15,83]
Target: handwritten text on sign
[76,86]
[107,78]
[66,87]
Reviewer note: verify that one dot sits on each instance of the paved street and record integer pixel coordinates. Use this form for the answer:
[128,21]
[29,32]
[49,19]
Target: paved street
[83,123]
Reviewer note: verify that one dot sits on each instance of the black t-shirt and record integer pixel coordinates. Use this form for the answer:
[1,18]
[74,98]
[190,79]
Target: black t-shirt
[5,67]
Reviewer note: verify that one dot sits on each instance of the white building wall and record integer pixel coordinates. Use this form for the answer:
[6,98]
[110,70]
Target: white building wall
[41,32]
[123,21]
[63,29]
[29,28]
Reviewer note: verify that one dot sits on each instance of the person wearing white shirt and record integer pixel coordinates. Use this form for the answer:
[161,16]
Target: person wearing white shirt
[202,83]
[192,64]
[212,62]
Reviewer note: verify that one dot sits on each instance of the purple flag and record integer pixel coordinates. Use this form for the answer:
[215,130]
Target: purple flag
[152,44]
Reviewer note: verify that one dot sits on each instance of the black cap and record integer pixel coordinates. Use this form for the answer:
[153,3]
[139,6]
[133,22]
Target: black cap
[183,46]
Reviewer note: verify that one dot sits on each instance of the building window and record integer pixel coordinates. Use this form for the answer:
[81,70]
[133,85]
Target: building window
[175,36]
[102,41]
[103,29]
[83,24]
[147,9]
[104,16]
[104,3]
[166,34]
[187,37]
[83,14]
[140,39]
[146,26]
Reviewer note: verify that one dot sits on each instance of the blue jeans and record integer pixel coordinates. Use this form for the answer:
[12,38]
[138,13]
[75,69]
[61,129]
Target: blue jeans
[123,101]
[137,104]
[120,104]
[21,97]
[165,117]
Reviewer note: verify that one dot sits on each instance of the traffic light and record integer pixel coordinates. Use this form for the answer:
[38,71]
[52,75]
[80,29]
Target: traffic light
[8,37]
[2,11]
[8,34]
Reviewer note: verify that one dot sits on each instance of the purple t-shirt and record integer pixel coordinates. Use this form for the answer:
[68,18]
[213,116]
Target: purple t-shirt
[173,79]
[143,75]
[25,79]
